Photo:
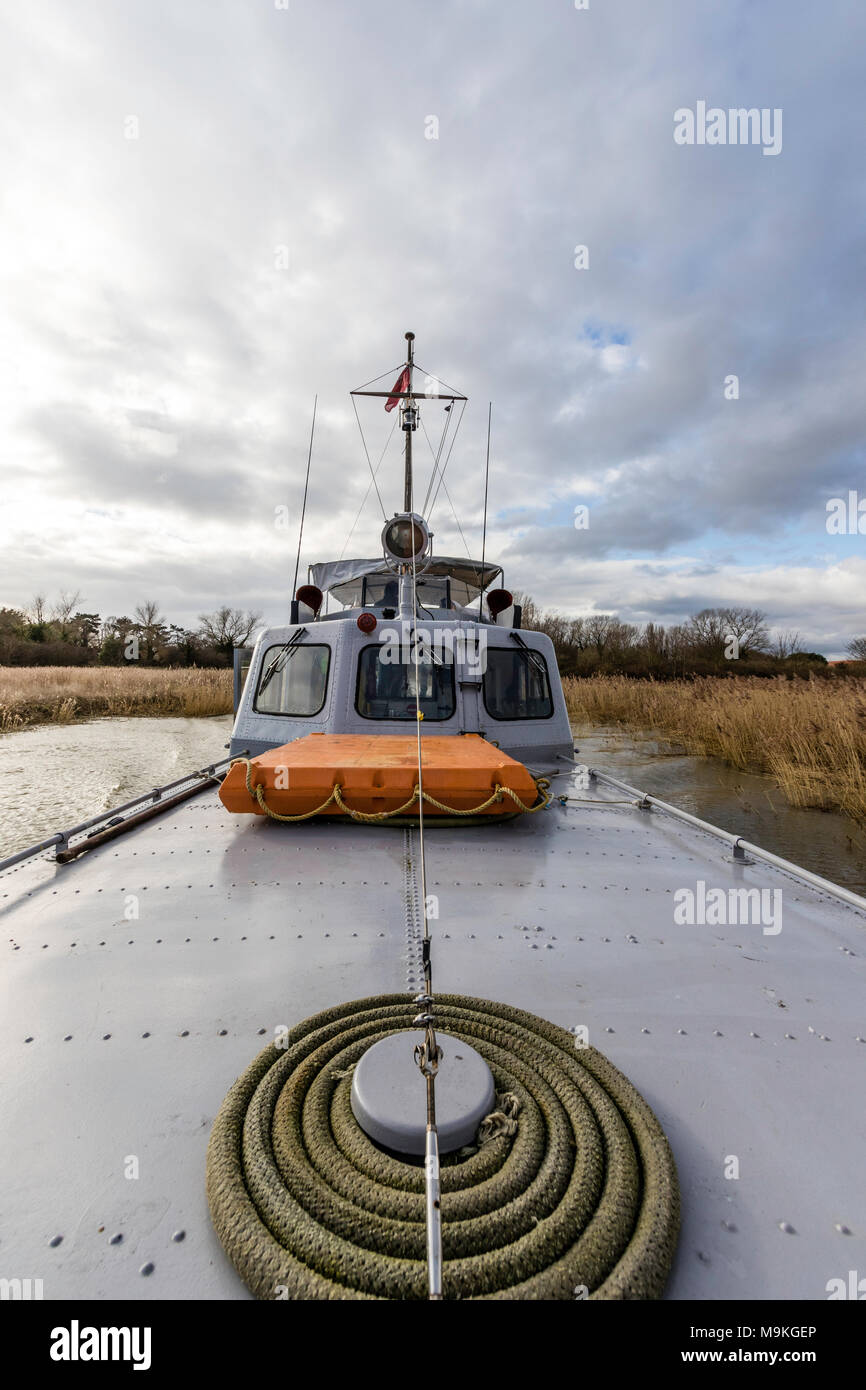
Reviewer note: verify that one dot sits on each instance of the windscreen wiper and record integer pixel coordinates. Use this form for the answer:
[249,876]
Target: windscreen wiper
[531,656]
[285,654]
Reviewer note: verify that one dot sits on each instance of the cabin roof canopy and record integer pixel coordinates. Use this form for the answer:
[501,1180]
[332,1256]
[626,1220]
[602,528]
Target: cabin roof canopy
[343,578]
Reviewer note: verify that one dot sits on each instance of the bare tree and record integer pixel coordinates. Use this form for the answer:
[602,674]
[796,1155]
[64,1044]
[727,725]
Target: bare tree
[785,644]
[712,629]
[599,630]
[36,611]
[749,626]
[228,627]
[63,609]
[857,648]
[149,621]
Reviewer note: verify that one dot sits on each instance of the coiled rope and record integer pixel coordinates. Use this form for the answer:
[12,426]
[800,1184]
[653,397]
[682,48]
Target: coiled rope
[257,792]
[581,1202]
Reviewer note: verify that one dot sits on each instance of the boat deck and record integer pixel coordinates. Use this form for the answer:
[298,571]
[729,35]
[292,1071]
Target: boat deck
[143,977]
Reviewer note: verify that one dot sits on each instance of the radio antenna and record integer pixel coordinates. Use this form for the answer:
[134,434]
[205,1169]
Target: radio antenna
[304,503]
[484,533]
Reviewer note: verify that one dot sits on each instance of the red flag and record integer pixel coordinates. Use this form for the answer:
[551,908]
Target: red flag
[401,385]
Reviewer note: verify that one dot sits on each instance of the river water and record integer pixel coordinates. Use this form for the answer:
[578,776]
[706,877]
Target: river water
[56,775]
[746,803]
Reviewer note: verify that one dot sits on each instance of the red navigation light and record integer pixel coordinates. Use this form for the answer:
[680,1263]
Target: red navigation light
[311,595]
[498,600]
[367,622]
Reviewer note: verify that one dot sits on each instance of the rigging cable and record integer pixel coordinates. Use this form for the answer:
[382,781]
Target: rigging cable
[438,453]
[428,1053]
[367,493]
[445,486]
[428,513]
[369,464]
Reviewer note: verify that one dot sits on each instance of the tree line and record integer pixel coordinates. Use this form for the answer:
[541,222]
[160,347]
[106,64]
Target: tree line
[715,641]
[62,634]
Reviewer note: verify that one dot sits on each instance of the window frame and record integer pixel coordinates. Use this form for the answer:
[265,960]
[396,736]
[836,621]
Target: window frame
[516,718]
[285,714]
[392,719]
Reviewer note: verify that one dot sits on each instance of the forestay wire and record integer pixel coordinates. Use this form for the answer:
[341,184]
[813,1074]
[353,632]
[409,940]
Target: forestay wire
[428,1053]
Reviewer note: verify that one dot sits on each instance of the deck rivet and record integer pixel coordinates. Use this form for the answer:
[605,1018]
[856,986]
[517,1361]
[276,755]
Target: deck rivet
[717,1033]
[178,1236]
[55,1241]
[644,1030]
[185,1033]
[843,1230]
[754,1035]
[68,1038]
[609,1030]
[787,1228]
[792,1037]
[147,1269]
[681,1031]
[105,1037]
[116,1239]
[262,1031]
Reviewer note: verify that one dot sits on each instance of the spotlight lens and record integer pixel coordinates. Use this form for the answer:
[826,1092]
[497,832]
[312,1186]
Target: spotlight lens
[404,539]
[366,622]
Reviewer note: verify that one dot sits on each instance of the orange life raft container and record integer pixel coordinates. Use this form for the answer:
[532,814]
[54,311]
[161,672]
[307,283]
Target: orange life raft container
[375,776]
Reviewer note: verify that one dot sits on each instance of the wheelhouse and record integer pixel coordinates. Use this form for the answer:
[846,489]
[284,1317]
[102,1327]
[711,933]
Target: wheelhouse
[354,664]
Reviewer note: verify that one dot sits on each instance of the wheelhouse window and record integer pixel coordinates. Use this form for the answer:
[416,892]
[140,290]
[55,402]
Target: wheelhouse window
[386,690]
[293,680]
[516,684]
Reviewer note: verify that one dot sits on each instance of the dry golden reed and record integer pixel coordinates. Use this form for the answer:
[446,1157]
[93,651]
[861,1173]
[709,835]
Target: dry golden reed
[810,735]
[60,694]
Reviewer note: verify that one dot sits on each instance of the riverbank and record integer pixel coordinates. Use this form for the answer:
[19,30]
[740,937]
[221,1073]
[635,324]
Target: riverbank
[31,695]
[810,736]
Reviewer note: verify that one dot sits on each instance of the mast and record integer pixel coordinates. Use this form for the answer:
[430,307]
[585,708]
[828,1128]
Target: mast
[410,421]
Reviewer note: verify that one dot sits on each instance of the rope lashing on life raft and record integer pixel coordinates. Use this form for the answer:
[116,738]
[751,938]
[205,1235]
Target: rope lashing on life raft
[257,792]
[581,1202]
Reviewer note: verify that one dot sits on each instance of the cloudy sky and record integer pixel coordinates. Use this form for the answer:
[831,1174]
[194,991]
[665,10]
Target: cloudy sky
[211,210]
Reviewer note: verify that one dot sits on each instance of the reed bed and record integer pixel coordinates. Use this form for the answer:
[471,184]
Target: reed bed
[61,694]
[810,735]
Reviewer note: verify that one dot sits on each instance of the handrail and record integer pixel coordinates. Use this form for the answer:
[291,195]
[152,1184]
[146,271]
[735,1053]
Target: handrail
[154,795]
[739,846]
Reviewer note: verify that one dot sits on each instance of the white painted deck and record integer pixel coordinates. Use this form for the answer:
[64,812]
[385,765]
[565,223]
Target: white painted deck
[745,1044]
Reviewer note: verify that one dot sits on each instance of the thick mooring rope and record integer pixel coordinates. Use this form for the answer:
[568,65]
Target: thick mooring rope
[582,1202]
